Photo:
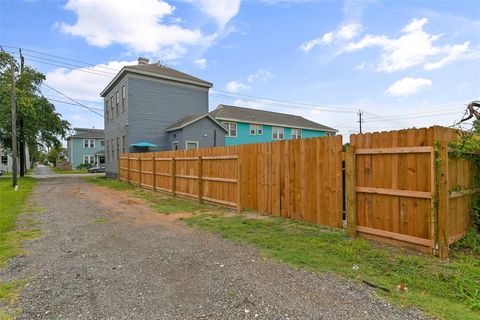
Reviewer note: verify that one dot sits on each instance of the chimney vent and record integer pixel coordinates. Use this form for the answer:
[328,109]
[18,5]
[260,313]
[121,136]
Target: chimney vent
[142,61]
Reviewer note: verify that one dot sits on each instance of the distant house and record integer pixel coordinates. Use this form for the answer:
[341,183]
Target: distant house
[6,160]
[157,106]
[86,146]
[246,125]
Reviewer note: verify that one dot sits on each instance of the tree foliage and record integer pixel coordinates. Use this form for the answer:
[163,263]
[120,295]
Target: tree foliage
[43,127]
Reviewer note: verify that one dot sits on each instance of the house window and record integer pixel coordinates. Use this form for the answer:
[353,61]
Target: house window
[277,133]
[124,97]
[329,133]
[113,150]
[296,133]
[111,107]
[175,145]
[117,145]
[102,143]
[231,128]
[4,160]
[117,101]
[107,153]
[124,144]
[88,159]
[88,143]
[107,111]
[191,145]
[256,129]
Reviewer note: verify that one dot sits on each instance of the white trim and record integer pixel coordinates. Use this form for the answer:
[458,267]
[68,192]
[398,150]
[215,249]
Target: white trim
[190,141]
[200,117]
[88,143]
[89,157]
[272,124]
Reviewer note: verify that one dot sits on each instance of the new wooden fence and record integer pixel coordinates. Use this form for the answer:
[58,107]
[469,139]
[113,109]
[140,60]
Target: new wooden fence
[401,188]
[297,179]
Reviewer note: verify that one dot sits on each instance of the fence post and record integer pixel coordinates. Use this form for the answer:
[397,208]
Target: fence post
[128,168]
[441,236]
[350,191]
[173,176]
[239,183]
[154,173]
[200,181]
[139,171]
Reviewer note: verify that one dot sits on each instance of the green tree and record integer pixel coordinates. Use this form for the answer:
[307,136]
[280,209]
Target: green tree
[39,126]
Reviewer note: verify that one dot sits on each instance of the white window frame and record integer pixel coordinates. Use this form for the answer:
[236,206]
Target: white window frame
[90,143]
[124,97]
[88,157]
[296,136]
[173,145]
[190,141]
[6,160]
[228,125]
[102,143]
[256,129]
[276,132]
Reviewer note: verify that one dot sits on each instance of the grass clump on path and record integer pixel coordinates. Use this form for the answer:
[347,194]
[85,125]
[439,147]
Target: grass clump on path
[109,183]
[59,171]
[12,204]
[449,290]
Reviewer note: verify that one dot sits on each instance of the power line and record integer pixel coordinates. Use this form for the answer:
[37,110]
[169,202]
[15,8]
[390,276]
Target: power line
[71,103]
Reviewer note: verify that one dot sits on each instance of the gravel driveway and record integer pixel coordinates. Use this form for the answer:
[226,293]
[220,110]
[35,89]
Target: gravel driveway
[137,264]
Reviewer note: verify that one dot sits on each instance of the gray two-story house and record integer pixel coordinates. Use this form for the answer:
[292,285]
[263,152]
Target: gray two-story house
[151,104]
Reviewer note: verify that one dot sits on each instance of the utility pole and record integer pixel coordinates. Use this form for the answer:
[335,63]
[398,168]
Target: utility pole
[14,126]
[360,113]
[21,128]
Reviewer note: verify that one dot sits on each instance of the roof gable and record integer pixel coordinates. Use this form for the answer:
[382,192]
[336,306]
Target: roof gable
[224,112]
[192,119]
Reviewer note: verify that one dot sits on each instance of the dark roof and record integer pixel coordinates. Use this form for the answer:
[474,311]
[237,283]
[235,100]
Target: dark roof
[166,71]
[224,112]
[88,133]
[192,119]
[159,71]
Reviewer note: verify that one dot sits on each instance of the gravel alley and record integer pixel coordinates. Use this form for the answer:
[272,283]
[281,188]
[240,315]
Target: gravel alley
[104,255]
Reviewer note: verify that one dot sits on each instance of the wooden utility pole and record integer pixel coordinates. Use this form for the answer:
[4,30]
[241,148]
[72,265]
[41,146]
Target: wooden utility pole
[14,126]
[360,113]
[21,129]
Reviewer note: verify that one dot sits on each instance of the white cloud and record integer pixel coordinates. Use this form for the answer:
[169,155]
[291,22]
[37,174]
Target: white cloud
[144,27]
[413,47]
[408,86]
[221,10]
[201,63]
[260,75]
[235,86]
[85,83]
[344,33]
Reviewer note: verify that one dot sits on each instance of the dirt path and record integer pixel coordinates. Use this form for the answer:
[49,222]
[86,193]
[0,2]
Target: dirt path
[137,264]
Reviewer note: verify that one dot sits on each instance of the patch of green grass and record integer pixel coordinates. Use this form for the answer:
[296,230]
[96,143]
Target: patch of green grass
[470,244]
[100,220]
[110,183]
[12,204]
[448,290]
[57,170]
[168,204]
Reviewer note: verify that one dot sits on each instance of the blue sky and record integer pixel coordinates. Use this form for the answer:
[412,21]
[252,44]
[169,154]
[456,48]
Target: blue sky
[405,63]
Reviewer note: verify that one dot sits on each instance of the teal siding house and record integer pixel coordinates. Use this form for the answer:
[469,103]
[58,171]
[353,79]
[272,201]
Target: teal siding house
[245,125]
[86,146]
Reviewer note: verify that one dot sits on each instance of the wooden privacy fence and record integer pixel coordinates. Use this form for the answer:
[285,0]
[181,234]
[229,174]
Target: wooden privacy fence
[212,178]
[297,179]
[402,188]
